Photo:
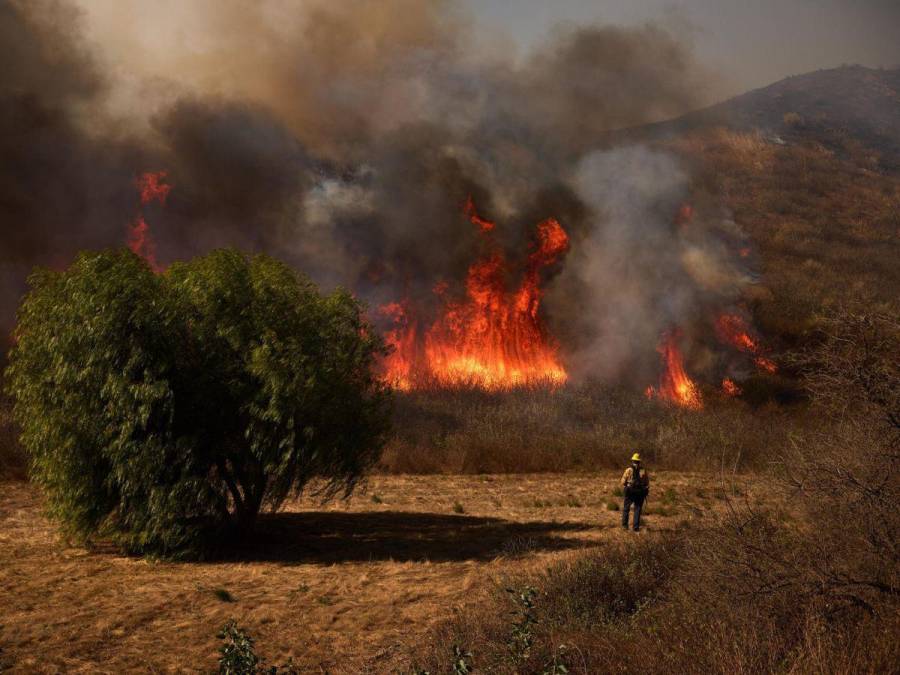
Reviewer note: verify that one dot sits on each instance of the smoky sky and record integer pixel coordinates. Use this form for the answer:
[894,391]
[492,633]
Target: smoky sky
[345,138]
[746,44]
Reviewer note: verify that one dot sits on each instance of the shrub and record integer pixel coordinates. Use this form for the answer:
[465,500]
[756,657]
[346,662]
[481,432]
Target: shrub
[159,408]
[549,623]
[237,655]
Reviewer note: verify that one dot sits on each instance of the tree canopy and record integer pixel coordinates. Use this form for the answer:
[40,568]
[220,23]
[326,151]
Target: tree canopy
[158,409]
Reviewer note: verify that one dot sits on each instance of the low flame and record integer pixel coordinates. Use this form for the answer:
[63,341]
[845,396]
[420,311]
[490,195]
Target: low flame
[765,364]
[674,384]
[730,388]
[492,339]
[731,329]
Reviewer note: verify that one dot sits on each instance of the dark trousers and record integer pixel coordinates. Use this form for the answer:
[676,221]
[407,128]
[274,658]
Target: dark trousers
[637,499]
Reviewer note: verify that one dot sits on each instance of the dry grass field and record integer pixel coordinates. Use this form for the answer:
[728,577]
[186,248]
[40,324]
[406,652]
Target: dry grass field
[345,587]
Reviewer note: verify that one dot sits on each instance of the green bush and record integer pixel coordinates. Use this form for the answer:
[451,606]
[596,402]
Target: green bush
[159,408]
[237,654]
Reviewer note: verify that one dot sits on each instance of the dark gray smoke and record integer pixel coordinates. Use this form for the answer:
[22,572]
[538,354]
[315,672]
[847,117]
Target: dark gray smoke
[61,190]
[346,141]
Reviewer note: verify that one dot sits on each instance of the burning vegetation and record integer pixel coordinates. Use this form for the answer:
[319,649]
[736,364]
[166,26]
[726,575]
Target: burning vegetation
[674,384]
[574,259]
[493,338]
[489,331]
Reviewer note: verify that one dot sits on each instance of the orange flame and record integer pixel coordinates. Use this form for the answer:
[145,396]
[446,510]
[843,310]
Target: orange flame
[765,364]
[151,188]
[732,329]
[730,388]
[674,384]
[492,339]
[469,210]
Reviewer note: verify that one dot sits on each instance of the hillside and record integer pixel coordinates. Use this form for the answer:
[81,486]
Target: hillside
[809,169]
[848,110]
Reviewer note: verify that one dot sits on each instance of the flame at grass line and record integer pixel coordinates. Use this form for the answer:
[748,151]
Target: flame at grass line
[492,339]
[151,188]
[732,330]
[730,388]
[674,384]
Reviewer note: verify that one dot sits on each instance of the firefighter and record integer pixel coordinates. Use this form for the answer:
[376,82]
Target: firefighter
[636,485]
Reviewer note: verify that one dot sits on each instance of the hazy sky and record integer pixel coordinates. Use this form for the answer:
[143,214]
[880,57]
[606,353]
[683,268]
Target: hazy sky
[749,43]
[742,43]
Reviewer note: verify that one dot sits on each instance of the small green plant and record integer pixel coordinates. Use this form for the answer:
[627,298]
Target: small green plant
[669,496]
[461,661]
[521,638]
[617,491]
[612,505]
[572,502]
[237,655]
[458,508]
[556,666]
[376,499]
[326,600]
[223,595]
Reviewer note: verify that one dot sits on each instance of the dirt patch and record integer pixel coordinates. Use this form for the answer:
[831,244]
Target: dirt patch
[331,586]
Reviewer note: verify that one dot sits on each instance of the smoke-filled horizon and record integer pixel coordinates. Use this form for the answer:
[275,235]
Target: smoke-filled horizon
[345,139]
[747,44]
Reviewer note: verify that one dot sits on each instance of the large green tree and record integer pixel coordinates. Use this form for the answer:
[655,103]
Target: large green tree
[160,409]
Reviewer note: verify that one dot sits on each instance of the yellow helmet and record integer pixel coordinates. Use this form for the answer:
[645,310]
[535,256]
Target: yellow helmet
[635,457]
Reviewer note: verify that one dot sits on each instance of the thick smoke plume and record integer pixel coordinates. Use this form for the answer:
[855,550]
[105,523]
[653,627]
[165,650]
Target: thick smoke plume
[345,138]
